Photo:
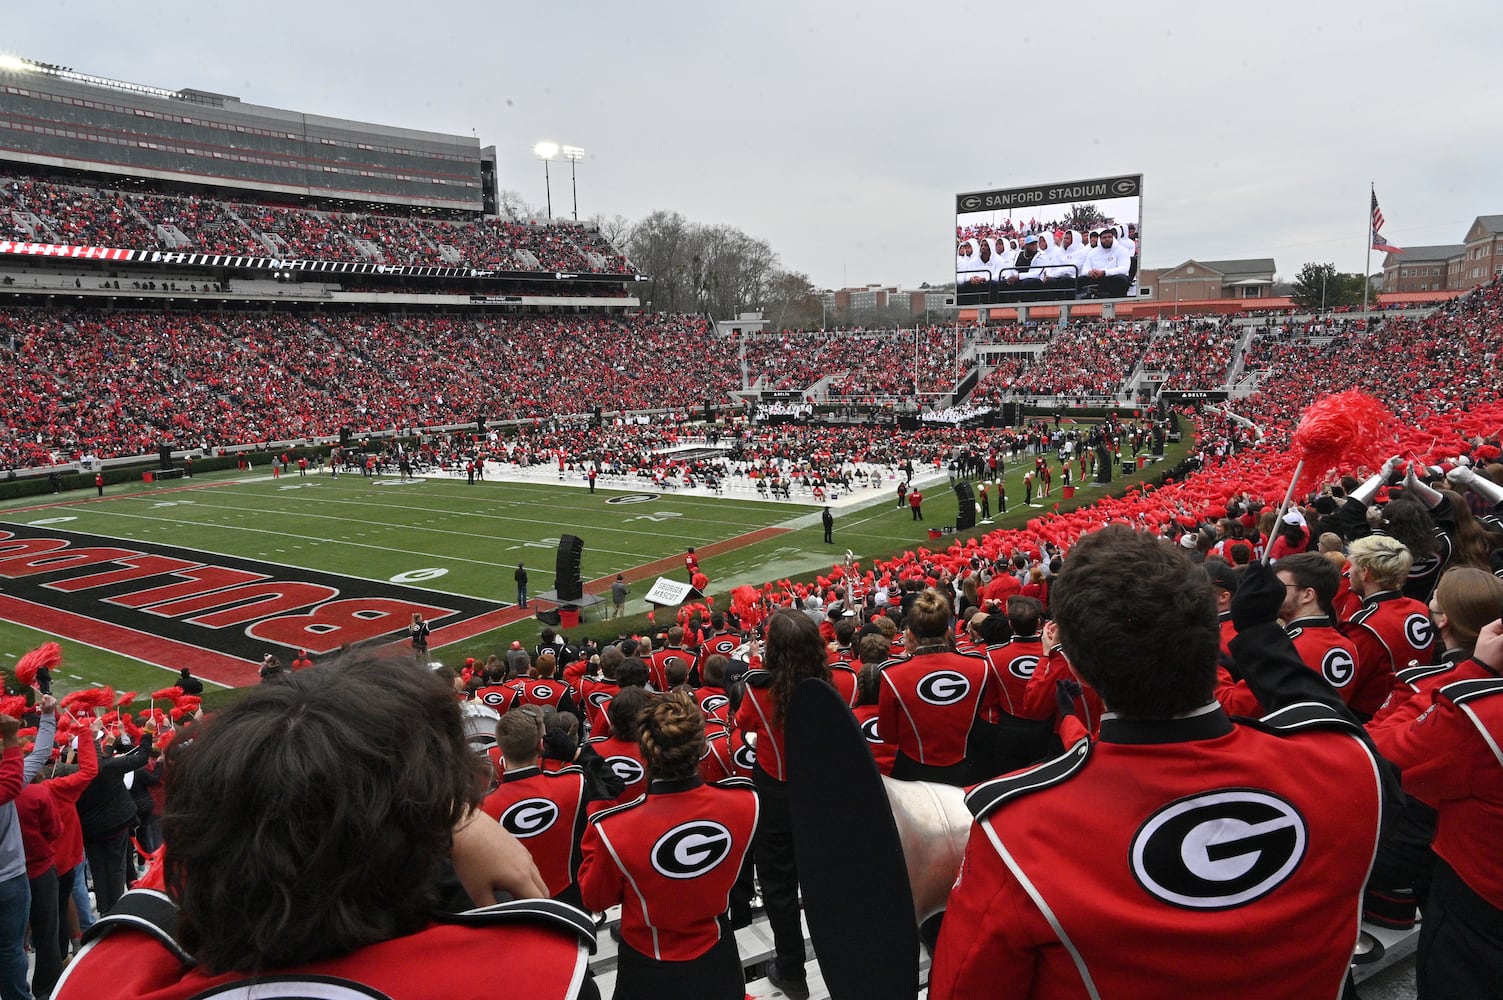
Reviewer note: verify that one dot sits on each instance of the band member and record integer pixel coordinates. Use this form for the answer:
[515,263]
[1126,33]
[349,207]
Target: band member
[545,810]
[1051,898]
[258,802]
[795,652]
[670,859]
[932,701]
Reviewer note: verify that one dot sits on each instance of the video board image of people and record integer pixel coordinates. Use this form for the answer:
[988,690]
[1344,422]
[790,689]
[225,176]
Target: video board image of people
[1016,248]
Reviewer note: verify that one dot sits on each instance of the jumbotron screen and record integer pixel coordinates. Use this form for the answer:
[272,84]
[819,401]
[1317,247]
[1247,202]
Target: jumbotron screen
[1065,242]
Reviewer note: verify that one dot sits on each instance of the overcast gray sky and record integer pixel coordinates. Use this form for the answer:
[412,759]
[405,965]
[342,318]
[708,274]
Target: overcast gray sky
[840,132]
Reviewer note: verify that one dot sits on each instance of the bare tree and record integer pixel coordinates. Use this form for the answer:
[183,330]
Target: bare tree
[512,205]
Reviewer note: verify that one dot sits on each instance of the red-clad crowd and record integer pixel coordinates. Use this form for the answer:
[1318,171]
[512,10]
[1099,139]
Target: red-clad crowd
[120,383]
[1085,359]
[1194,355]
[46,211]
[862,362]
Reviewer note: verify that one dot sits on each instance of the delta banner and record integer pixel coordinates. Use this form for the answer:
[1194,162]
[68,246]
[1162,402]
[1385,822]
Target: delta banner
[217,614]
[177,258]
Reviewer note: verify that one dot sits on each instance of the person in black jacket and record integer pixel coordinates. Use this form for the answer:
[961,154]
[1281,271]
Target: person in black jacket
[188,683]
[106,813]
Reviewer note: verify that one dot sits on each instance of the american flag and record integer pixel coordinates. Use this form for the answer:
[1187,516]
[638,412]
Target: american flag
[1378,242]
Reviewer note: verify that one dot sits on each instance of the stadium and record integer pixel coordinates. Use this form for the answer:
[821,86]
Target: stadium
[280,386]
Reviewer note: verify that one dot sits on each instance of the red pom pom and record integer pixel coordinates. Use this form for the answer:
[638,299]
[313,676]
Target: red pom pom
[48,654]
[125,699]
[13,706]
[167,694]
[89,699]
[1345,429]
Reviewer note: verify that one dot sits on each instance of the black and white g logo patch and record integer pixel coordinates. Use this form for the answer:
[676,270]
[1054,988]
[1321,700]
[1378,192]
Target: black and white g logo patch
[542,692]
[1218,850]
[691,849]
[599,698]
[1337,667]
[530,817]
[869,730]
[625,768]
[1417,631]
[1022,666]
[943,687]
[745,757]
[496,699]
[713,704]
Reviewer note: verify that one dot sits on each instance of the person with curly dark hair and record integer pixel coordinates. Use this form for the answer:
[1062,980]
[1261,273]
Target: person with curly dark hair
[1074,865]
[670,859]
[324,830]
[795,652]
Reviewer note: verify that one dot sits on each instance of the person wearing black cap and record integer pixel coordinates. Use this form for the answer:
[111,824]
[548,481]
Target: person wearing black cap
[828,520]
[1224,579]
[1021,264]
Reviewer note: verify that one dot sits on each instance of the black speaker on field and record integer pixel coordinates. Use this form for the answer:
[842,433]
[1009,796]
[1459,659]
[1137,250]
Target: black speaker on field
[566,573]
[344,437]
[164,457]
[1010,414]
[965,515]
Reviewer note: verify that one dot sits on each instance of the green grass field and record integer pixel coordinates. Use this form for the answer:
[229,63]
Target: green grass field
[475,535]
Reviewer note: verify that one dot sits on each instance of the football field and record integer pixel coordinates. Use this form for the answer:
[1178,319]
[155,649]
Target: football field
[215,572]
[326,538]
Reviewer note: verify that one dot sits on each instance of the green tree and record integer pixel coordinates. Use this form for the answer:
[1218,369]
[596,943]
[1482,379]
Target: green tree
[1321,284]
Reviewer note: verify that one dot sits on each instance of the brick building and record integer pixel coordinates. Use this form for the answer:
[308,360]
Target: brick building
[1196,280]
[1421,269]
[1453,267]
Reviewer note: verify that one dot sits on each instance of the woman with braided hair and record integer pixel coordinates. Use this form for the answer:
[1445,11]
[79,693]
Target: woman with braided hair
[670,859]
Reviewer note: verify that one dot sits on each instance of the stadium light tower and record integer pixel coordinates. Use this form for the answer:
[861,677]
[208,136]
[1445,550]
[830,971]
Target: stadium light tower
[574,154]
[546,151]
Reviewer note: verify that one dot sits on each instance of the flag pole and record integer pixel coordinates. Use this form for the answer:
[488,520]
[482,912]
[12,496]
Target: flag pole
[1372,197]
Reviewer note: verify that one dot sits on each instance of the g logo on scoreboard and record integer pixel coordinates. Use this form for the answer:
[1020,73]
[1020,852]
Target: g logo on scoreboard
[530,817]
[1218,850]
[943,687]
[691,849]
[970,203]
[1124,186]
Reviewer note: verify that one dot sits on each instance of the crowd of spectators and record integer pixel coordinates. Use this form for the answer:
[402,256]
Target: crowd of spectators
[861,363]
[1194,355]
[1092,358]
[120,383]
[77,214]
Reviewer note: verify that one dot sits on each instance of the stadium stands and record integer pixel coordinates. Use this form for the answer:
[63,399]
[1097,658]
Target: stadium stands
[78,214]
